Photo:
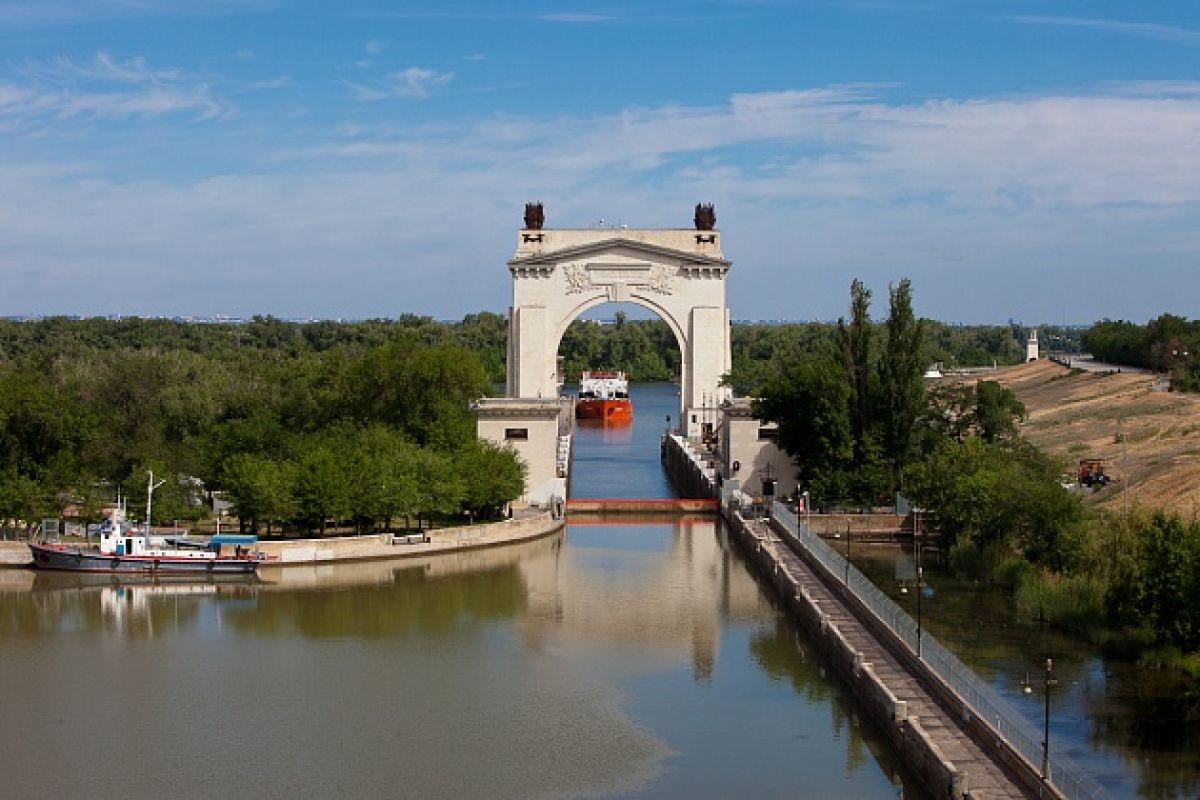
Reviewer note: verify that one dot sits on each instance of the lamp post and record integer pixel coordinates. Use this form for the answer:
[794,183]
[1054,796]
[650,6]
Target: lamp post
[920,591]
[1048,682]
[847,581]
[807,504]
[920,577]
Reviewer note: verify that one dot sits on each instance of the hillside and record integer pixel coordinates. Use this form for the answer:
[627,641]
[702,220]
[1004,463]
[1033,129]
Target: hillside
[1075,414]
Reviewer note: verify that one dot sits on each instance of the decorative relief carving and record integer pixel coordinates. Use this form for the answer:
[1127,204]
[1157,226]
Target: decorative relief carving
[578,279]
[657,278]
[661,279]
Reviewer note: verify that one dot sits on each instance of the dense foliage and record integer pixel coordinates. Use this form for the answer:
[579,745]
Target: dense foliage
[853,410]
[301,425]
[1166,344]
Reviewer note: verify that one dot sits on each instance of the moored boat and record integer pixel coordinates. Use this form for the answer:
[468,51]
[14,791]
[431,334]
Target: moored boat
[126,548]
[604,395]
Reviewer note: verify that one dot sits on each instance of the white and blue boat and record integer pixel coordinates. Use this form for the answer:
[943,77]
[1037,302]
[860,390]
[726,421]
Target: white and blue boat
[126,548]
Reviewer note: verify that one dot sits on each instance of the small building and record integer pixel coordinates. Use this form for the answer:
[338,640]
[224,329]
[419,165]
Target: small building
[749,451]
[1032,351]
[532,428]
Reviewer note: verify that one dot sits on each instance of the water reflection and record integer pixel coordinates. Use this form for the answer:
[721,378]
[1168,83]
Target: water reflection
[607,433]
[614,659]
[1137,730]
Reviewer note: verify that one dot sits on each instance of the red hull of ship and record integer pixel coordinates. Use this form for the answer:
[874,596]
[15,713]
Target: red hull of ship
[607,410]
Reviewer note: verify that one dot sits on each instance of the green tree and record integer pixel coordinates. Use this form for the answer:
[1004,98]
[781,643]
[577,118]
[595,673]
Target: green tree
[811,403]
[997,412]
[901,382]
[1171,581]
[259,488]
[855,338]
[321,487]
[492,476]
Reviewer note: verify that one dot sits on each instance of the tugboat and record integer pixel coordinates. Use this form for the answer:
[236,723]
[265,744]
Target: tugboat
[604,395]
[126,548]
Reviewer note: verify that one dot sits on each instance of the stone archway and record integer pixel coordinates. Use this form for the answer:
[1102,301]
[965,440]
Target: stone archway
[679,274]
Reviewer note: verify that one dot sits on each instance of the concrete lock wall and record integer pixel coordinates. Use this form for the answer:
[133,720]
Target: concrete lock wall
[907,736]
[1026,773]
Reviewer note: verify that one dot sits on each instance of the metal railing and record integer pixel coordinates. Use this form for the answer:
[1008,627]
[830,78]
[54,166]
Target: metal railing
[1008,722]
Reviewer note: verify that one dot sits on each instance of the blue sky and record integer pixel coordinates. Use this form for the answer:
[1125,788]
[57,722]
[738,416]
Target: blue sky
[1033,160]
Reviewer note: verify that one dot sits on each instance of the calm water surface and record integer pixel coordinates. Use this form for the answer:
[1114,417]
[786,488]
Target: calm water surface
[1137,730]
[612,660]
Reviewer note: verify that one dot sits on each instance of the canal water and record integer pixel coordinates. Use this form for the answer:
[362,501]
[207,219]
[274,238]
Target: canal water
[1135,729]
[615,659]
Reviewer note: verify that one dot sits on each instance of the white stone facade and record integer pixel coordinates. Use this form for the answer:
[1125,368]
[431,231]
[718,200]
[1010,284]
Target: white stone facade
[749,453]
[531,427]
[678,274]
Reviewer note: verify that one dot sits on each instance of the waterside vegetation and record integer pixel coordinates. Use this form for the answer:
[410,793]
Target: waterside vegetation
[861,425]
[358,425]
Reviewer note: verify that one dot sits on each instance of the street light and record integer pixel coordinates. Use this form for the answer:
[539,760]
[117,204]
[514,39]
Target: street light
[807,505]
[920,591]
[1048,682]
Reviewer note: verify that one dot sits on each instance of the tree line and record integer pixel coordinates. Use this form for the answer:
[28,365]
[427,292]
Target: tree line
[860,423]
[1167,343]
[361,425]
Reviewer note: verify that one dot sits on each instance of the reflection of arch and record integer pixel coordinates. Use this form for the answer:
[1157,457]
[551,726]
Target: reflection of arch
[677,274]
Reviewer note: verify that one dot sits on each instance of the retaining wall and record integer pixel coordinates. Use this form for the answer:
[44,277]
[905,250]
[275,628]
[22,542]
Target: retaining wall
[372,547]
[906,735]
[689,472]
[979,728]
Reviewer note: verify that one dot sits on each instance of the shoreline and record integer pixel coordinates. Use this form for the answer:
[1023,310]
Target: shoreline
[369,547]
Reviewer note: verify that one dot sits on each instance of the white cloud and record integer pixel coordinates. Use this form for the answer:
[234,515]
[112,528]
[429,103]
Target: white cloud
[414,82]
[375,46]
[106,87]
[812,185]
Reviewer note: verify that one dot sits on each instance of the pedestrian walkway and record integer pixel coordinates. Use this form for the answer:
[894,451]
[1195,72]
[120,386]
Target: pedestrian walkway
[985,776]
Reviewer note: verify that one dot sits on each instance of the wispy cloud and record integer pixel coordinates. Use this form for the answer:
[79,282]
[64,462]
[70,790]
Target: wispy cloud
[954,192]
[1144,29]
[107,87]
[375,46]
[414,82]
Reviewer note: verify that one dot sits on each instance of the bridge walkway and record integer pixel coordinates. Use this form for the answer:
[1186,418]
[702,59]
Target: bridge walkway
[986,778]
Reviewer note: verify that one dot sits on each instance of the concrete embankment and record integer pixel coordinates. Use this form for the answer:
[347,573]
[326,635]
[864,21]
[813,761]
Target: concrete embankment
[375,546]
[939,746]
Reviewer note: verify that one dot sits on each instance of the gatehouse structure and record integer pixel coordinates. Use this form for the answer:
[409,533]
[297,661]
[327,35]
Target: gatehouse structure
[679,274]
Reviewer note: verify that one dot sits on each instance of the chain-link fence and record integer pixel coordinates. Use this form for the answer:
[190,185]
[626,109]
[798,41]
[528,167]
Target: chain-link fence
[1067,777]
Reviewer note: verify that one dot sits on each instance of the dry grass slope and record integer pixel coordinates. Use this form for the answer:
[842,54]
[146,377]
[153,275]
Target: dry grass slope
[1075,414]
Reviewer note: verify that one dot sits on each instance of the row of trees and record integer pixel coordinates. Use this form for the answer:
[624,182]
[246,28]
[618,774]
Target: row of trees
[1165,344]
[859,421]
[851,410]
[75,428]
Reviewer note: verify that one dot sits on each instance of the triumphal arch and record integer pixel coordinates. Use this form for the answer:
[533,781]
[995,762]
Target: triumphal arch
[678,273]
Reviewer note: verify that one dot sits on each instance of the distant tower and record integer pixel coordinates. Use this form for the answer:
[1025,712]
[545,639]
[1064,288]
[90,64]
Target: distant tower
[1031,346]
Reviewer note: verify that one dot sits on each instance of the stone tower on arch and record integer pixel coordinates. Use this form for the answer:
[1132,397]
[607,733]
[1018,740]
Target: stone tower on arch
[679,274]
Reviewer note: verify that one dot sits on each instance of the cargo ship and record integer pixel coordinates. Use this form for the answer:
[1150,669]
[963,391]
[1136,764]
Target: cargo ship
[604,395]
